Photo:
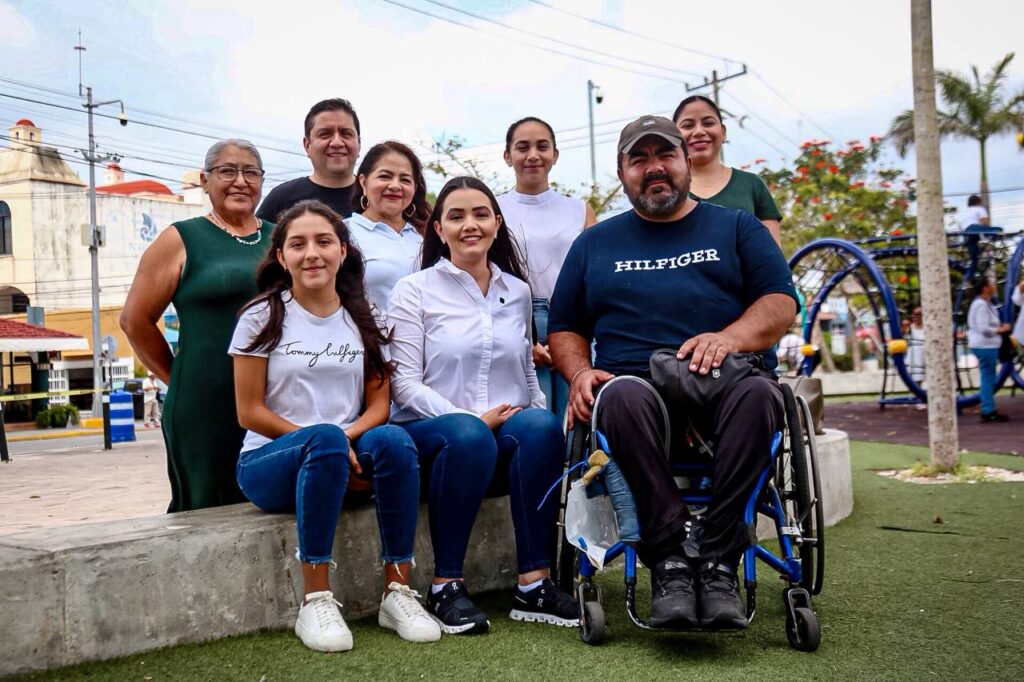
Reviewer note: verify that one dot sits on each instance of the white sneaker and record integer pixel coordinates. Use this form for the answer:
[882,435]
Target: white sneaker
[401,611]
[320,625]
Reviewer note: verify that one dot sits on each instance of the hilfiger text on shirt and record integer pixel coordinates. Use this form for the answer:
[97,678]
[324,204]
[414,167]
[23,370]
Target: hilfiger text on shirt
[344,353]
[680,261]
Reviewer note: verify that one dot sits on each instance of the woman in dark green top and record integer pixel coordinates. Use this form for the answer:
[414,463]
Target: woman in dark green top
[700,121]
[206,267]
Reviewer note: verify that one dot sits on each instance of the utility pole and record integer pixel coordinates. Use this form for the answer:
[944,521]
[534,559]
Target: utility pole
[94,235]
[714,83]
[932,252]
[592,92]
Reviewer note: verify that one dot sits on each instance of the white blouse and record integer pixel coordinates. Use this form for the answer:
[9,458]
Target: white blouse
[457,350]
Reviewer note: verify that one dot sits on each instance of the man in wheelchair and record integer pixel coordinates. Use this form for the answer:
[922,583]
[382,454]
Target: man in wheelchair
[675,272]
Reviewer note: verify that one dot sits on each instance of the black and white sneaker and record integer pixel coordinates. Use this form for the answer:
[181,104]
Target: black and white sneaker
[545,604]
[454,612]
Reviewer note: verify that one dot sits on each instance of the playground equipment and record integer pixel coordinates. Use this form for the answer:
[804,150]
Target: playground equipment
[876,280]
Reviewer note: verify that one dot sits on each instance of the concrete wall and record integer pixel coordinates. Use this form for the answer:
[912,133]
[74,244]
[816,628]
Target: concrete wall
[101,590]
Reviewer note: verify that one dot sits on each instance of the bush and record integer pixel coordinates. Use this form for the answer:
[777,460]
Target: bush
[57,416]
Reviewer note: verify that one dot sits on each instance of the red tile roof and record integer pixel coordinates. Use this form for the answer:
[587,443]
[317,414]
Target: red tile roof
[12,329]
[136,187]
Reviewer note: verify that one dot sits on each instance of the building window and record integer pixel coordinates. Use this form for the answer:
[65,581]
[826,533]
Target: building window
[6,241]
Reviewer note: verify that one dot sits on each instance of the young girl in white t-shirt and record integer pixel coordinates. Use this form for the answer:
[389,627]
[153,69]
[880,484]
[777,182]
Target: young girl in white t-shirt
[545,223]
[312,388]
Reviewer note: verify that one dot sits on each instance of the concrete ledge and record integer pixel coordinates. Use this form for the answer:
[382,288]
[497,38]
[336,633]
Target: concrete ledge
[97,591]
[102,590]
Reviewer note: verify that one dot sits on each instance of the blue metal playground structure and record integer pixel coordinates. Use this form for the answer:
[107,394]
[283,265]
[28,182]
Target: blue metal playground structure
[878,279]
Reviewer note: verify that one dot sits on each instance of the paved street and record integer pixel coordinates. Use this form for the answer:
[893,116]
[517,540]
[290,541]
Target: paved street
[73,480]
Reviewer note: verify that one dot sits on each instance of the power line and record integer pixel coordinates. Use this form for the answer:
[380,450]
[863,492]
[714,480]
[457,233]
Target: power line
[790,104]
[613,27]
[557,41]
[533,45]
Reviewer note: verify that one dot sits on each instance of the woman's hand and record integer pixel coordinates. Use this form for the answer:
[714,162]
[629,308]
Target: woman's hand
[354,481]
[496,416]
[541,355]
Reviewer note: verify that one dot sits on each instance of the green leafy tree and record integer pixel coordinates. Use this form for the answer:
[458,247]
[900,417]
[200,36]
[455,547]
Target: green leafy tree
[975,108]
[839,193]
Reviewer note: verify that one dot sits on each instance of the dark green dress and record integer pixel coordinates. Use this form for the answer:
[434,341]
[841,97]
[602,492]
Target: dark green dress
[199,422]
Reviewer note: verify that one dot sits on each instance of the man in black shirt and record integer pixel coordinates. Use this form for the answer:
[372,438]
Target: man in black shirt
[332,143]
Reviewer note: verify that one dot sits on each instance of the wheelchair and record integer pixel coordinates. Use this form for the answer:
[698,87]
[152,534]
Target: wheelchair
[788,492]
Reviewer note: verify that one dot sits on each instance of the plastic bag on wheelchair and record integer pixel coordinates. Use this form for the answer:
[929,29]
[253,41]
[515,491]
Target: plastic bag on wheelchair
[590,523]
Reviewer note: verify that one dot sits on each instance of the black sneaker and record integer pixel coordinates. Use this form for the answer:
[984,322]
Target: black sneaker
[545,604]
[454,612]
[995,417]
[673,602]
[720,603]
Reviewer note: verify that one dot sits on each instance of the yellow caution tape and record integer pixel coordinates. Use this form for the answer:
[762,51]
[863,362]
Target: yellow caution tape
[43,394]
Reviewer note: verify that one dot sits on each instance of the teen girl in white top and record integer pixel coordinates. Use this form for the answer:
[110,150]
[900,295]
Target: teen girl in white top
[545,223]
[312,388]
[465,390]
[392,195]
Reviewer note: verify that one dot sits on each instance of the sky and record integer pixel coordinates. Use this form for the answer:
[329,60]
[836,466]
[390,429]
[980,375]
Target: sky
[832,70]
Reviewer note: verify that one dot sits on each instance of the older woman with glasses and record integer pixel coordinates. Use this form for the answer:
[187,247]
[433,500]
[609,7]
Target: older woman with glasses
[206,267]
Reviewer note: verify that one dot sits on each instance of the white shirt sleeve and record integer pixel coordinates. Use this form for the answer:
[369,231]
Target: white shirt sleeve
[407,344]
[1017,297]
[537,397]
[248,328]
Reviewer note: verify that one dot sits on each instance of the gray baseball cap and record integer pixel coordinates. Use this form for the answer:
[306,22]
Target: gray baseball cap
[649,125]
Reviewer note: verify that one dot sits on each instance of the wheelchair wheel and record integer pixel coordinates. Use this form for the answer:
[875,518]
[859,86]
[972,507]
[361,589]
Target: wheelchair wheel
[793,483]
[563,558]
[817,503]
[803,632]
[592,623]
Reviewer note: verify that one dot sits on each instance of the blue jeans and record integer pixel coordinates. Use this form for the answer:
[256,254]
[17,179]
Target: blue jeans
[306,471]
[464,462]
[555,387]
[988,359]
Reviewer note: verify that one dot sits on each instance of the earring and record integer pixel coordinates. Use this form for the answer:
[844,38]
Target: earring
[364,202]
[411,211]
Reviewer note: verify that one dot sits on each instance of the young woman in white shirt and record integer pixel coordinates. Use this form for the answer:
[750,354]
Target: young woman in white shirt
[391,194]
[544,223]
[312,388]
[466,391]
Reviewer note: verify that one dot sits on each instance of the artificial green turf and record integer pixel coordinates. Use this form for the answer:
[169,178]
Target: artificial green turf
[919,601]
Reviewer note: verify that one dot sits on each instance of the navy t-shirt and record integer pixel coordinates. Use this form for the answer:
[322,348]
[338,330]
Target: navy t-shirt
[634,286]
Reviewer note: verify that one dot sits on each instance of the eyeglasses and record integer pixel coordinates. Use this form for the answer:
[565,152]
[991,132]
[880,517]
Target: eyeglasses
[228,173]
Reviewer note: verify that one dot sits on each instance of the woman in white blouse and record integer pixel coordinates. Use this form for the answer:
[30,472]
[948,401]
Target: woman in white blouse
[392,195]
[466,391]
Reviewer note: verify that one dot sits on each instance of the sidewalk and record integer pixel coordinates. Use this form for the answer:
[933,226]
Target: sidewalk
[49,489]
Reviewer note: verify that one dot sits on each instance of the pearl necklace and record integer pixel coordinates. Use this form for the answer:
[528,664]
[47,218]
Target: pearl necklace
[219,222]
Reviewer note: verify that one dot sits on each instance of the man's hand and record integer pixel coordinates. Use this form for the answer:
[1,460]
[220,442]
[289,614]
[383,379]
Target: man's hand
[541,355]
[707,351]
[581,394]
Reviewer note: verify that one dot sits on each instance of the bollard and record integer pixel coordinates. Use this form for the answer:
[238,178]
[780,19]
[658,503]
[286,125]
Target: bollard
[5,455]
[106,422]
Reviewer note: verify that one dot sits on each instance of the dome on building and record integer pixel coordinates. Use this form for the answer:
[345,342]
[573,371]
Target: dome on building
[25,122]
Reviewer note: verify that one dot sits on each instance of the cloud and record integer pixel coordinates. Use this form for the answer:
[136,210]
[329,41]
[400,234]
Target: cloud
[15,31]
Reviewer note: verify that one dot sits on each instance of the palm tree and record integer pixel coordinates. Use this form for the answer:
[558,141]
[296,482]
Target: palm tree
[976,109]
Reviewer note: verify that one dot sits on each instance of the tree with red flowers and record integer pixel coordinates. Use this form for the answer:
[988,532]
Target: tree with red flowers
[840,193]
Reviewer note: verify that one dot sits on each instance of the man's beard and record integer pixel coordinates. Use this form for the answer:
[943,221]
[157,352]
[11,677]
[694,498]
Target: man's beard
[659,205]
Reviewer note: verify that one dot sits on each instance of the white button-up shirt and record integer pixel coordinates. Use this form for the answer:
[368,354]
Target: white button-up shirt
[389,255]
[457,350]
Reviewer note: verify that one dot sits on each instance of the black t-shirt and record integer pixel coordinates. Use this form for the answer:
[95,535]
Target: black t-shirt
[287,194]
[634,286]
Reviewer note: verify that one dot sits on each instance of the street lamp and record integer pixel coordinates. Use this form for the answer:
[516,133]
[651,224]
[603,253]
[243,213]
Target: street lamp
[593,93]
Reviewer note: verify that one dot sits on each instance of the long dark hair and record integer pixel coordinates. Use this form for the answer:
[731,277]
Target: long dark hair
[504,252]
[697,98]
[421,207]
[273,281]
